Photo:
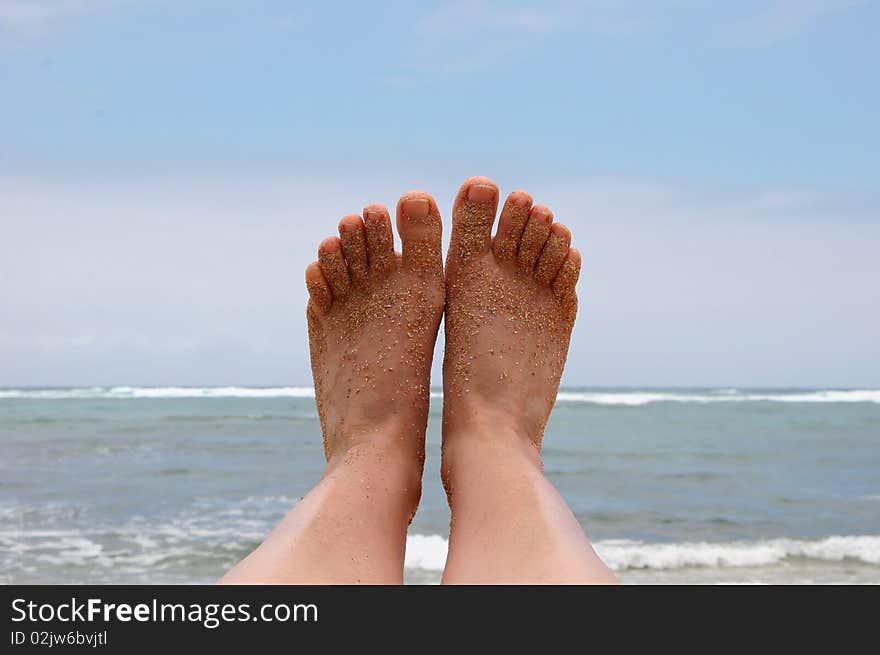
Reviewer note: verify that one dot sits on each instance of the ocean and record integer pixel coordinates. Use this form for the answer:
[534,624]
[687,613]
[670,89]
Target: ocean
[174,485]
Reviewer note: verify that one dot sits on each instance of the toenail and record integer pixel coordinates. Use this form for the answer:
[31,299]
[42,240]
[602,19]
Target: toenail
[560,230]
[481,193]
[416,207]
[349,225]
[521,200]
[542,213]
[328,245]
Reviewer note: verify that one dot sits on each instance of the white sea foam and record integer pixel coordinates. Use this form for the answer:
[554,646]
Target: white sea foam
[142,548]
[426,552]
[622,397]
[125,393]
[637,398]
[624,554]
[429,552]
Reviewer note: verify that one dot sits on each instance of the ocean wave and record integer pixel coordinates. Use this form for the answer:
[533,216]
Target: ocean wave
[637,398]
[428,552]
[126,393]
[206,540]
[624,554]
[630,398]
[196,545]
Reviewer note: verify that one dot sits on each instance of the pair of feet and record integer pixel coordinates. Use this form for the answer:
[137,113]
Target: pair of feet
[373,316]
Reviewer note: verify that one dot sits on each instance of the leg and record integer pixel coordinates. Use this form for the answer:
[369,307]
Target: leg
[511,305]
[373,316]
[349,529]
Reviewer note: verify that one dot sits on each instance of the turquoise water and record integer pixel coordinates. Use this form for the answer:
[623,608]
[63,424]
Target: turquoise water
[175,485]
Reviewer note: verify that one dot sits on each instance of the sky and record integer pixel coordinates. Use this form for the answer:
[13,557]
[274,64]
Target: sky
[167,168]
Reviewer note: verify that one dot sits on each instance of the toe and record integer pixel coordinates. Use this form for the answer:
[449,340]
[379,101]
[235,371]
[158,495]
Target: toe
[380,240]
[418,223]
[553,254]
[320,297]
[534,235]
[510,226]
[472,216]
[354,246]
[567,277]
[334,267]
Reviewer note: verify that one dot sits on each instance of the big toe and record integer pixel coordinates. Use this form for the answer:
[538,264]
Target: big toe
[472,216]
[420,228]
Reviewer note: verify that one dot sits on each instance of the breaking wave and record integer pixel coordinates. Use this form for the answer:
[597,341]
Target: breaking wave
[429,552]
[636,398]
[630,398]
[125,393]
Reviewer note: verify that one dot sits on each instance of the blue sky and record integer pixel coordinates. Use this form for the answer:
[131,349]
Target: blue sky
[167,168]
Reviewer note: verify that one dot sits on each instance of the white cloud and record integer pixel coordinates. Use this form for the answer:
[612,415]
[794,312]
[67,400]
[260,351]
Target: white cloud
[184,280]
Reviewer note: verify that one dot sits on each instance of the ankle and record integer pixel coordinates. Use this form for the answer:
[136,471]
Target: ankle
[395,439]
[475,456]
[473,420]
[393,473]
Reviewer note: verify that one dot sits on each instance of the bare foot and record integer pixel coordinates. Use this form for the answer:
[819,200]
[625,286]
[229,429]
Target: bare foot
[510,308]
[373,316]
